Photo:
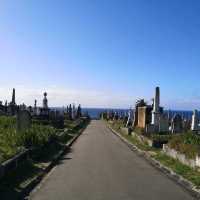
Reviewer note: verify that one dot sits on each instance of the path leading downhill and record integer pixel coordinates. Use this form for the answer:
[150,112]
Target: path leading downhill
[101,167]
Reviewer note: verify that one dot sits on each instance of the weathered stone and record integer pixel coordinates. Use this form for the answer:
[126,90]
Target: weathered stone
[45,101]
[35,108]
[156,108]
[195,121]
[23,120]
[176,124]
[144,116]
[139,103]
[163,123]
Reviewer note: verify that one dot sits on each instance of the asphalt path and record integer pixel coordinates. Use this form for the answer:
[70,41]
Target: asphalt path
[101,167]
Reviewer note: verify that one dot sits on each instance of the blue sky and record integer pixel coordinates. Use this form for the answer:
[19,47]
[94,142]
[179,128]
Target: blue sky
[101,53]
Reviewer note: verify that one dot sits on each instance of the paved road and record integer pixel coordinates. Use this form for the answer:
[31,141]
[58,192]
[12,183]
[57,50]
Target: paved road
[102,167]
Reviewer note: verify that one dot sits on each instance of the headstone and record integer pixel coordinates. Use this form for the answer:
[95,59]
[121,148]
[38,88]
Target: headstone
[23,120]
[79,111]
[186,125]
[139,103]
[73,111]
[195,121]
[70,112]
[176,125]
[163,123]
[114,116]
[57,119]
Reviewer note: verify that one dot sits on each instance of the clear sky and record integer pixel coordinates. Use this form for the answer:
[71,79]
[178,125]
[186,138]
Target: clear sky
[101,53]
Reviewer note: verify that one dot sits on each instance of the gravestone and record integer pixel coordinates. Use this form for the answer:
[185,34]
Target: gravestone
[70,112]
[23,120]
[186,125]
[163,123]
[176,125]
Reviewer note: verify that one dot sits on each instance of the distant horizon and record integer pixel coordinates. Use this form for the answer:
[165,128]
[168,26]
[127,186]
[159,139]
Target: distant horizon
[125,109]
[51,97]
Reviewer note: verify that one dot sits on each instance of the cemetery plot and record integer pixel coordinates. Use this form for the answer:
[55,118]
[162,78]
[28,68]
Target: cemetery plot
[13,140]
[45,144]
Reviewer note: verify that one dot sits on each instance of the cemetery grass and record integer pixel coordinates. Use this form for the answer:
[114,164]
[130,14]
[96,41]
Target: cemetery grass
[13,142]
[185,171]
[187,143]
[14,183]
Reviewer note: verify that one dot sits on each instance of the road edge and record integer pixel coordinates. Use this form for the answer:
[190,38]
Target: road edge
[39,181]
[187,185]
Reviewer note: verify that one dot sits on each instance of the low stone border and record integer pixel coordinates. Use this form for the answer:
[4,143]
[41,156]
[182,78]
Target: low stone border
[13,162]
[187,185]
[193,163]
[29,190]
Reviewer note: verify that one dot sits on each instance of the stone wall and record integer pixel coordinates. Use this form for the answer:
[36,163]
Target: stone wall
[181,157]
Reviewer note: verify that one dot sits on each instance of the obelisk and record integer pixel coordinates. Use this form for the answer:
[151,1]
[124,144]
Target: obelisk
[156,108]
[13,97]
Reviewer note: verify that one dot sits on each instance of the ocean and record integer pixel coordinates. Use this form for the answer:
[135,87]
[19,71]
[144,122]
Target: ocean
[94,113]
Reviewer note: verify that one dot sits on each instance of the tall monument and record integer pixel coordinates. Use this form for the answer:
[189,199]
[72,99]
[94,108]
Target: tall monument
[45,101]
[35,107]
[156,108]
[13,97]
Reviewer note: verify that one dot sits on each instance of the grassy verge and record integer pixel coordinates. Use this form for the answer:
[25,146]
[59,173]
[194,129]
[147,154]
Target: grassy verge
[181,169]
[12,185]
[187,172]
[13,141]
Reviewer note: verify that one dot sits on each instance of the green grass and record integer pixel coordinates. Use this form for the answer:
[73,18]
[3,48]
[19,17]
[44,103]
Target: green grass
[12,142]
[188,144]
[132,139]
[187,172]
[13,183]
